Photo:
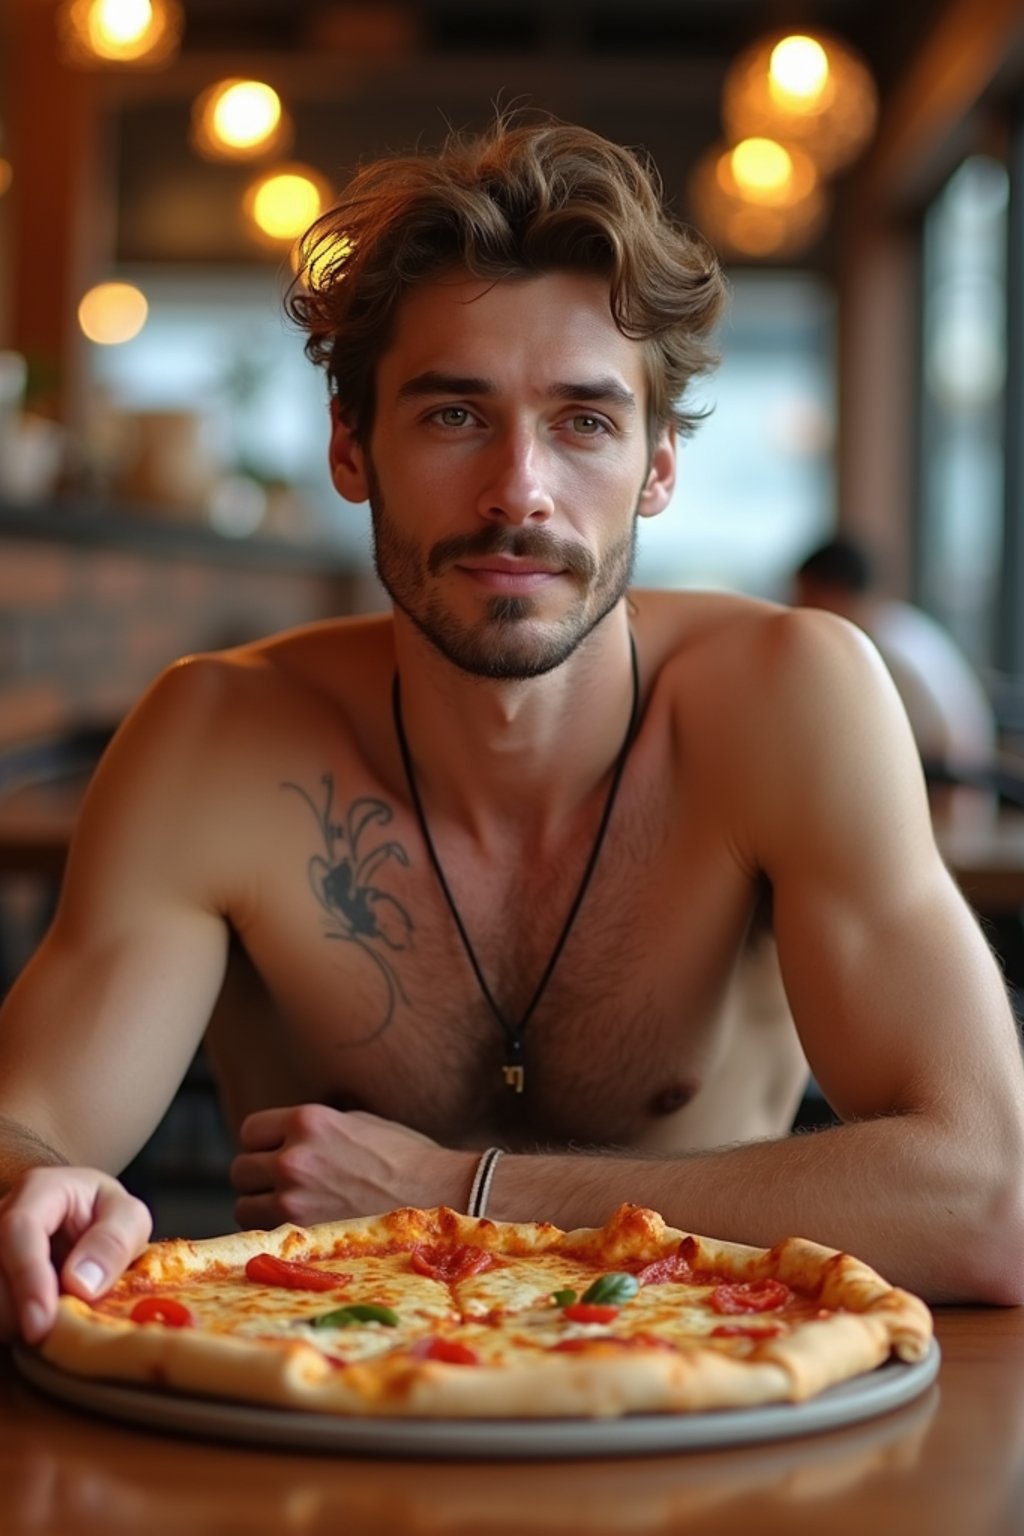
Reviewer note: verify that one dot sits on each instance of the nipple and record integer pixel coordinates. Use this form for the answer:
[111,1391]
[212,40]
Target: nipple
[669,1099]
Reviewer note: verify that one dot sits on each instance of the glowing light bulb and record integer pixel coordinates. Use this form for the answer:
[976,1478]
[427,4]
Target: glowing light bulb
[798,70]
[112,313]
[239,120]
[761,168]
[816,93]
[118,24]
[245,114]
[284,202]
[143,32]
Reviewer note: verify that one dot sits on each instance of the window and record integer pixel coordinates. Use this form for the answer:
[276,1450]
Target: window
[963,385]
[755,484]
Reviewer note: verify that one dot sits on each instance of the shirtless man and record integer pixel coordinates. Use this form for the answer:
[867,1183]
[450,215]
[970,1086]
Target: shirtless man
[508,329]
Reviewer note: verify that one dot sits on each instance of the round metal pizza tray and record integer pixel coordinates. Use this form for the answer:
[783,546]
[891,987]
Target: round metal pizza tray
[880,1391]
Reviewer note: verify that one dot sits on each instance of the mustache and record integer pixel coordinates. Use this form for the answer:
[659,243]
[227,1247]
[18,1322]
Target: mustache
[519,543]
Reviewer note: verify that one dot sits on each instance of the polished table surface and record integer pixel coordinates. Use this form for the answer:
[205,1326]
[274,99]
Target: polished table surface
[950,1463]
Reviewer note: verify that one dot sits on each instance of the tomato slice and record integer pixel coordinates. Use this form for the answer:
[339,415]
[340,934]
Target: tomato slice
[450,1351]
[591,1312]
[162,1309]
[450,1261]
[750,1296]
[268,1269]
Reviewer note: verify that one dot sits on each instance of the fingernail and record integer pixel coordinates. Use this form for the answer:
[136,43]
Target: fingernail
[33,1321]
[89,1275]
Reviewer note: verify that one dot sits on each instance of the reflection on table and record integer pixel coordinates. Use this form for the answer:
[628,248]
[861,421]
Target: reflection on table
[951,1462]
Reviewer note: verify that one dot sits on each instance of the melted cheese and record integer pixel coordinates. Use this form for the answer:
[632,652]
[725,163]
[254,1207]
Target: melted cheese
[230,1303]
[504,1312]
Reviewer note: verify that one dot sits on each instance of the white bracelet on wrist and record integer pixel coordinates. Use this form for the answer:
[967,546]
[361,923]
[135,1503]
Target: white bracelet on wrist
[482,1180]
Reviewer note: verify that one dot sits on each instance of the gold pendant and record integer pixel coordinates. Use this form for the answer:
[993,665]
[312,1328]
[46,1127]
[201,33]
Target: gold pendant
[514,1077]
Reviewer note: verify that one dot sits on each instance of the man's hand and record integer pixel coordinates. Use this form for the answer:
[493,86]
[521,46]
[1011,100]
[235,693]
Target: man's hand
[78,1218]
[309,1163]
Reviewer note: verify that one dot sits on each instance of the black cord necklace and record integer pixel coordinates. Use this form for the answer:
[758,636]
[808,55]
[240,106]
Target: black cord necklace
[513,1071]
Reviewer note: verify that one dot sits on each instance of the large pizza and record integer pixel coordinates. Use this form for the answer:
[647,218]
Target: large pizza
[428,1313]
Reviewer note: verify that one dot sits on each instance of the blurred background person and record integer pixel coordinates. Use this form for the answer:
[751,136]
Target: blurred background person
[950,713]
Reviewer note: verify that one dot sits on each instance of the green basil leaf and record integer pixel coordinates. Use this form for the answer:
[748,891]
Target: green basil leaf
[563,1298]
[358,1312]
[613,1289]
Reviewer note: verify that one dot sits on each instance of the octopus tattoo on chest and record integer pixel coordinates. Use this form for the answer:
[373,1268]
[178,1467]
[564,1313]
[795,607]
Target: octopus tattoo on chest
[341,877]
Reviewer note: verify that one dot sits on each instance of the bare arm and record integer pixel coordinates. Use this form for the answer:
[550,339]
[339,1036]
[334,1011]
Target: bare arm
[98,1032]
[900,1006]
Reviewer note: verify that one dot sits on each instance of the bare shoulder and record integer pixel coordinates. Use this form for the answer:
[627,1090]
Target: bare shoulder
[786,712]
[210,734]
[218,696]
[759,659]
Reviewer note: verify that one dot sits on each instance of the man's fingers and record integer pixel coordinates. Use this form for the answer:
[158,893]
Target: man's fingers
[120,1230]
[252,1173]
[31,1284]
[263,1130]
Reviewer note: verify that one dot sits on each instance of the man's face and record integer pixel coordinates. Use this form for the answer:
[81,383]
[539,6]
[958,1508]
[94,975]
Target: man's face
[508,462]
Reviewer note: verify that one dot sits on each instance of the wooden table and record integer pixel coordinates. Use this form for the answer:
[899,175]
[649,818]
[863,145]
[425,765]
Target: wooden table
[950,1463]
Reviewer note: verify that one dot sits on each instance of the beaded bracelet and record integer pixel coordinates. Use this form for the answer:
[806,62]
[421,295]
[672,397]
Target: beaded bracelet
[482,1181]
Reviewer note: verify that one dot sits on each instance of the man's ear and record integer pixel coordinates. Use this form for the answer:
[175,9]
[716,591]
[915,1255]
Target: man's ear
[661,475]
[347,459]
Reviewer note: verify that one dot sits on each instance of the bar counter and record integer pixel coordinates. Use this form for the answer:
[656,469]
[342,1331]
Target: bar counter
[949,1463]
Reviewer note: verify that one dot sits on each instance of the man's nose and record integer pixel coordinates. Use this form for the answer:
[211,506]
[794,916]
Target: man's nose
[516,488]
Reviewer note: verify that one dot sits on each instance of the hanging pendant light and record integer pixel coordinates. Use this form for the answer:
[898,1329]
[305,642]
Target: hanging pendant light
[811,91]
[239,120]
[138,32]
[758,198]
[283,202]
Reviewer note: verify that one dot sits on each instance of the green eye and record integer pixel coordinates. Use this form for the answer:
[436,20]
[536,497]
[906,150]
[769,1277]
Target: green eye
[453,415]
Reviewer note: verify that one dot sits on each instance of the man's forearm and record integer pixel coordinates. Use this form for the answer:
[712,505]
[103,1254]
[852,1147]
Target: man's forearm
[928,1212]
[22,1148]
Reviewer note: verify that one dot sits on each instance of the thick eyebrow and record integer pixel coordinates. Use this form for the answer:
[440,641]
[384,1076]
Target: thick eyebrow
[596,391]
[434,382]
[593,391]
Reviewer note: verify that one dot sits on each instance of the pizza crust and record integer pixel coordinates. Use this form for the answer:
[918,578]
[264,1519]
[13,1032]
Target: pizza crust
[868,1321]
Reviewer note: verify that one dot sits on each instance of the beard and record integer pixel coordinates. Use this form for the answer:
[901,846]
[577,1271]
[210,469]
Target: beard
[510,641]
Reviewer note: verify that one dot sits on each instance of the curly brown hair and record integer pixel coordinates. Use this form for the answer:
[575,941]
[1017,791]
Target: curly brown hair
[516,201]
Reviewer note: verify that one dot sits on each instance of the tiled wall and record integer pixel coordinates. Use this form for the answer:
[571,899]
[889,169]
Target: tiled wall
[84,629]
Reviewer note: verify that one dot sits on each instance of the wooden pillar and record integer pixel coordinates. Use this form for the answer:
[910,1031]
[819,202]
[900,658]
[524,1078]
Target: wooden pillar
[878,390]
[52,138]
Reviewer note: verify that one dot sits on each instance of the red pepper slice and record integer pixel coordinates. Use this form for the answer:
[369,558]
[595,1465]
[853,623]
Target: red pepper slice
[268,1269]
[450,1351]
[450,1261]
[750,1296]
[162,1309]
[591,1312]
